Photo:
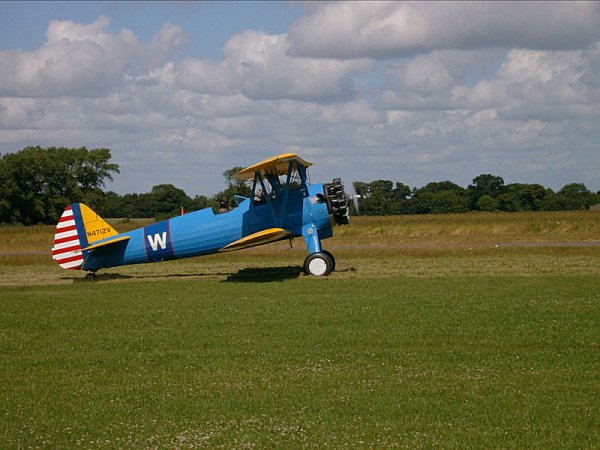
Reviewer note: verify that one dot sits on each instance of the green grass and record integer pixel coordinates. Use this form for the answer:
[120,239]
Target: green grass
[460,362]
[411,343]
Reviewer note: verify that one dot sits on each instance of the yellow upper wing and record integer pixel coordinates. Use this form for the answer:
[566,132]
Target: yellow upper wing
[277,165]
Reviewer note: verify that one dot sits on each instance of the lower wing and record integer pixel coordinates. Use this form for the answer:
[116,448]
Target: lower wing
[259,238]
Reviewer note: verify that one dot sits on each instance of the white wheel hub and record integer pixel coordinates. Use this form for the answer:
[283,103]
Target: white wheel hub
[317,267]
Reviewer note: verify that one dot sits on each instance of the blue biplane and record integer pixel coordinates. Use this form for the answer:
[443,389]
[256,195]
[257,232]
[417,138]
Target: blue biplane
[284,206]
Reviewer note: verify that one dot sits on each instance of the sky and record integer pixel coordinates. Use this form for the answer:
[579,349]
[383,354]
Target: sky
[410,92]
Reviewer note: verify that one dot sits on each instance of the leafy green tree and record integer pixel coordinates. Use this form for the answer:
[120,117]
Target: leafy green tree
[234,187]
[550,201]
[575,196]
[167,201]
[230,179]
[381,197]
[533,196]
[510,200]
[440,197]
[400,196]
[361,188]
[525,197]
[37,183]
[487,203]
[485,185]
[136,206]
[111,206]
[200,202]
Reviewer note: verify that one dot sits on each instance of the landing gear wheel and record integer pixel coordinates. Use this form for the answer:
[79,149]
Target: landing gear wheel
[318,264]
[331,258]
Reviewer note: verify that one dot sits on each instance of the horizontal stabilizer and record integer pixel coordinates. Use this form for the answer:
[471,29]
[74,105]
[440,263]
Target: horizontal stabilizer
[259,238]
[106,243]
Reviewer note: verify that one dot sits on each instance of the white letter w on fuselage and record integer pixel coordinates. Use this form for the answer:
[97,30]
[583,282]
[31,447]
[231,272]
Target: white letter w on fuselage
[159,239]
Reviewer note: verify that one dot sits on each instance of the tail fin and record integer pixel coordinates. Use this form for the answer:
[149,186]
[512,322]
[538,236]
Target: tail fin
[77,228]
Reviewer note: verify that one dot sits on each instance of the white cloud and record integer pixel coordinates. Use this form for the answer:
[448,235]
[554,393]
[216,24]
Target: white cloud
[527,84]
[82,60]
[258,65]
[77,60]
[161,47]
[387,29]
[428,76]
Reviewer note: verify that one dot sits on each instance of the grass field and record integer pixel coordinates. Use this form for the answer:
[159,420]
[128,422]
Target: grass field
[475,330]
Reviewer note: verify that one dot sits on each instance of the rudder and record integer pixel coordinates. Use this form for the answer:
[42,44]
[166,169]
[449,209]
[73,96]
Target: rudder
[77,228]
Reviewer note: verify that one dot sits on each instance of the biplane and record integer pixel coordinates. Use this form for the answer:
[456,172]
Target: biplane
[284,205]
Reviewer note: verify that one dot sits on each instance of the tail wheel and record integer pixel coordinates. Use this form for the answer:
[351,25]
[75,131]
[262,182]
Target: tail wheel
[318,264]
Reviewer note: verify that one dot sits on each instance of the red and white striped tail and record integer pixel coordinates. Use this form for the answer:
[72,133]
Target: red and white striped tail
[67,248]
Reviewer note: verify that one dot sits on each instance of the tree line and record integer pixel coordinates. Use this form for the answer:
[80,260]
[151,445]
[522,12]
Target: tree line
[487,193]
[36,184]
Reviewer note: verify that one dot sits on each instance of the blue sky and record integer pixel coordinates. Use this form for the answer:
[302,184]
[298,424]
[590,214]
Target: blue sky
[209,24]
[412,92]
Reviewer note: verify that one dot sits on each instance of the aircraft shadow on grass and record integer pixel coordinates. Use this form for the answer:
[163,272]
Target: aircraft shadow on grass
[248,275]
[264,274]
[115,276]
[100,277]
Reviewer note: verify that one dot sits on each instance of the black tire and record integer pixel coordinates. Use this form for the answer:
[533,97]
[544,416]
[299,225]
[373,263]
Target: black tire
[318,264]
[331,257]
